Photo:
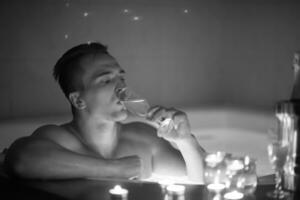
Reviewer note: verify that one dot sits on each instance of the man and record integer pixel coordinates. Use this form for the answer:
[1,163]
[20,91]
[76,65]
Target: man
[95,144]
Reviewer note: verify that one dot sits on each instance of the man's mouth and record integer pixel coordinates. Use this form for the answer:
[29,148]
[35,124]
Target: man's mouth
[120,103]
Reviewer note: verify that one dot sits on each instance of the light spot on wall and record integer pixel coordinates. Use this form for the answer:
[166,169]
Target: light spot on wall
[86,14]
[136,18]
[126,11]
[186,11]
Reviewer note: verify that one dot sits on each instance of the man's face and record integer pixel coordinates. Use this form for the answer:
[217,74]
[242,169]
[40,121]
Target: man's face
[102,78]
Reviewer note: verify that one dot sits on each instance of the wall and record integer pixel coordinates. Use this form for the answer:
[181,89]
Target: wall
[216,53]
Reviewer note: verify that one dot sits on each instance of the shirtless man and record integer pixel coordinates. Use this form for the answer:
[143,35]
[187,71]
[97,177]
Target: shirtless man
[95,144]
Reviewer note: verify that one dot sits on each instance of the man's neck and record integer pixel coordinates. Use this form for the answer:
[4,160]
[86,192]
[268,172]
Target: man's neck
[98,135]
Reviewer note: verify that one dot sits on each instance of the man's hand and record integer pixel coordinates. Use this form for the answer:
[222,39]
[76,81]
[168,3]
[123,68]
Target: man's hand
[173,124]
[129,167]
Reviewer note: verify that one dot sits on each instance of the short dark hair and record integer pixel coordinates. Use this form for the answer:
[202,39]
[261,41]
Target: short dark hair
[67,68]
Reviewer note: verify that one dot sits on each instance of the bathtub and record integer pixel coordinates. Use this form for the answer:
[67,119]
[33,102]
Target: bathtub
[237,131]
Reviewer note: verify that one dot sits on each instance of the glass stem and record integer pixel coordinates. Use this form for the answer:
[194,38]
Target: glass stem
[278,180]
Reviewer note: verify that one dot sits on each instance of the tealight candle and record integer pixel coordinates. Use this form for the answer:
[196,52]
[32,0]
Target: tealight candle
[164,184]
[175,192]
[217,187]
[234,195]
[118,193]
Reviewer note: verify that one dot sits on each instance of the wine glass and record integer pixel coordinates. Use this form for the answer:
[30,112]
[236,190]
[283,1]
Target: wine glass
[277,152]
[133,102]
[139,106]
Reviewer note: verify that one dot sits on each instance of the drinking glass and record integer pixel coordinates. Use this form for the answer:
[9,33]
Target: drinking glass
[235,182]
[214,171]
[250,175]
[133,102]
[139,106]
[277,152]
[215,174]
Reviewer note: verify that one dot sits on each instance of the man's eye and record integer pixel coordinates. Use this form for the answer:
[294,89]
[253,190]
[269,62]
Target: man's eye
[107,81]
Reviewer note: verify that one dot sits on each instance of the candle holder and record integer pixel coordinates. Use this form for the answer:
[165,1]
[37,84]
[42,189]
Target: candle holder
[175,192]
[215,171]
[250,175]
[164,184]
[235,181]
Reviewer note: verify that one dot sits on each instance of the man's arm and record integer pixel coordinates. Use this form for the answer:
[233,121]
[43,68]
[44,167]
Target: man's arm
[193,155]
[179,134]
[184,160]
[42,158]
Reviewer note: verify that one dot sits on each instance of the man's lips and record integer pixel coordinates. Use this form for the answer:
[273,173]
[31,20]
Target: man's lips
[120,103]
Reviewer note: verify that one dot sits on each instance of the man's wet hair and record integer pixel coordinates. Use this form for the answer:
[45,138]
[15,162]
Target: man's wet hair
[67,69]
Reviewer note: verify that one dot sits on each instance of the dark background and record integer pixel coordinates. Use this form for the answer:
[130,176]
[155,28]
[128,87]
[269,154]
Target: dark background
[184,53]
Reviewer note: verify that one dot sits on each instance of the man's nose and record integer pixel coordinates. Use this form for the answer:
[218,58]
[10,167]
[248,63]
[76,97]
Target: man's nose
[121,83]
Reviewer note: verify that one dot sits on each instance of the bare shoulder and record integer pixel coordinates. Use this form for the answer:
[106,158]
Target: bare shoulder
[49,131]
[55,133]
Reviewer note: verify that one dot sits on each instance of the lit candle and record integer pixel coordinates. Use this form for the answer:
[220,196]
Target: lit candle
[216,186]
[164,184]
[233,195]
[118,193]
[175,192]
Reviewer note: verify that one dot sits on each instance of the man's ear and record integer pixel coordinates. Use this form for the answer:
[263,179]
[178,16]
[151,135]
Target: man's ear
[77,101]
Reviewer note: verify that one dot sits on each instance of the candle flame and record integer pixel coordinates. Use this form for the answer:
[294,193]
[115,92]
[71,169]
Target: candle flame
[118,190]
[177,189]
